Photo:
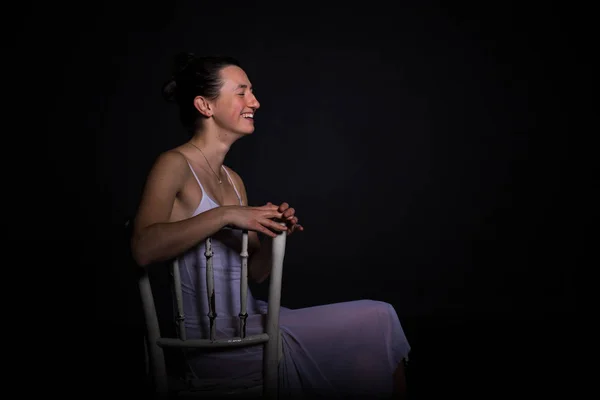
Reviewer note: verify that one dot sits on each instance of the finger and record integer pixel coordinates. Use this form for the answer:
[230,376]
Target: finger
[291,229]
[266,231]
[275,225]
[269,232]
[273,214]
[297,228]
[291,221]
[269,207]
[284,206]
[289,212]
[290,224]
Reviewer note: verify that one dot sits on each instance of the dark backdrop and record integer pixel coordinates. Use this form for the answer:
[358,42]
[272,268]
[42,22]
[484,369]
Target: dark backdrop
[425,149]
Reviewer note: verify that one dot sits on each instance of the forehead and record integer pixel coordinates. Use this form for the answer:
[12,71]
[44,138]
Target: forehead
[234,77]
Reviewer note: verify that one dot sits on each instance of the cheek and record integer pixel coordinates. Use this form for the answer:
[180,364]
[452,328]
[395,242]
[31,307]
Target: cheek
[237,108]
[235,114]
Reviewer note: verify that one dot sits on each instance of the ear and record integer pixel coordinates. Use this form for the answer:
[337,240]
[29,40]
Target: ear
[203,106]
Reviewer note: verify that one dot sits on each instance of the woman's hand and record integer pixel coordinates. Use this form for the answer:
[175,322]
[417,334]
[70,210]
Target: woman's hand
[264,219]
[288,215]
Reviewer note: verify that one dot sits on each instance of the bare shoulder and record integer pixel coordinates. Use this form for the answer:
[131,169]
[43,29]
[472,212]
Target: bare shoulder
[170,159]
[168,174]
[165,180]
[170,163]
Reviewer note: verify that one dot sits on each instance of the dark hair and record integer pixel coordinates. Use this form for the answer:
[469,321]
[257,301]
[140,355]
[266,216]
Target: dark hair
[195,76]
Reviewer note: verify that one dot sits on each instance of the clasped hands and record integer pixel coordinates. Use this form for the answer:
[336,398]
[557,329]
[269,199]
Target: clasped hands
[288,216]
[269,219]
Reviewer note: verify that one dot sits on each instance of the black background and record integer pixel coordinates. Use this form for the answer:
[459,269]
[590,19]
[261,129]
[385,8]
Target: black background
[427,151]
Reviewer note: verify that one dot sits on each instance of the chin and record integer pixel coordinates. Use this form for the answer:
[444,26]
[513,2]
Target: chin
[246,131]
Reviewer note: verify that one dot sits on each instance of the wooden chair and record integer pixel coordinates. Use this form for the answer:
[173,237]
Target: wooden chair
[162,380]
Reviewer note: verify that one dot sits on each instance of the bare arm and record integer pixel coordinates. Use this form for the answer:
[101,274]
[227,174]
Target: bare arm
[159,237]
[155,238]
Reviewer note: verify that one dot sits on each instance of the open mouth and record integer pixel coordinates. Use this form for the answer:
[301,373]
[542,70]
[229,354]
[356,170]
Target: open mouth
[249,116]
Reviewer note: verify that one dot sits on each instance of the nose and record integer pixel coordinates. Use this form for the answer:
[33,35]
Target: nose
[253,103]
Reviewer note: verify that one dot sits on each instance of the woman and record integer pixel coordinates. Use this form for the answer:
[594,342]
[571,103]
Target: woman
[351,348]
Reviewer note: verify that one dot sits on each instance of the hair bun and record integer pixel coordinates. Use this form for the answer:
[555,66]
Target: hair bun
[169,90]
[180,62]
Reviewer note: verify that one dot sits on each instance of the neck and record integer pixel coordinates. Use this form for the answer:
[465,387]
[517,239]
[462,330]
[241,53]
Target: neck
[214,146]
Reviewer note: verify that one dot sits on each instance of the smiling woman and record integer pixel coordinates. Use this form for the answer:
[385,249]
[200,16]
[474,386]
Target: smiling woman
[224,94]
[351,348]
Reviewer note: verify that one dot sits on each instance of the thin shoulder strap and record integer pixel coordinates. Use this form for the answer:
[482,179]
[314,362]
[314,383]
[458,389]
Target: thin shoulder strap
[233,184]
[196,176]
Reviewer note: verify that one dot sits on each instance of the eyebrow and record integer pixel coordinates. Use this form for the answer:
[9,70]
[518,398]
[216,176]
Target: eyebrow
[242,86]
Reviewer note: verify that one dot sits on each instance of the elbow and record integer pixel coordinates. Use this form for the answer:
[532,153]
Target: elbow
[139,254]
[140,261]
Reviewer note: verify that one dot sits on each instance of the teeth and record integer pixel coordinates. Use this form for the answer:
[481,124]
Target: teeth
[248,115]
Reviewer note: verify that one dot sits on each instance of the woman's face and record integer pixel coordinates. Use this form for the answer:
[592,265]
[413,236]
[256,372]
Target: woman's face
[234,108]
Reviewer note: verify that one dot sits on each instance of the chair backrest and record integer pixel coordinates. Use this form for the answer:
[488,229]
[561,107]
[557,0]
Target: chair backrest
[269,339]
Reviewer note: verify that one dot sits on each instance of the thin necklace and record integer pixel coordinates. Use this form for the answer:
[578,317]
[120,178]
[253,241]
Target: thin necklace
[213,171]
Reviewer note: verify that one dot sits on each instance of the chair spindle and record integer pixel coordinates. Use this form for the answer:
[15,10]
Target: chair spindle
[244,285]
[210,284]
[179,300]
